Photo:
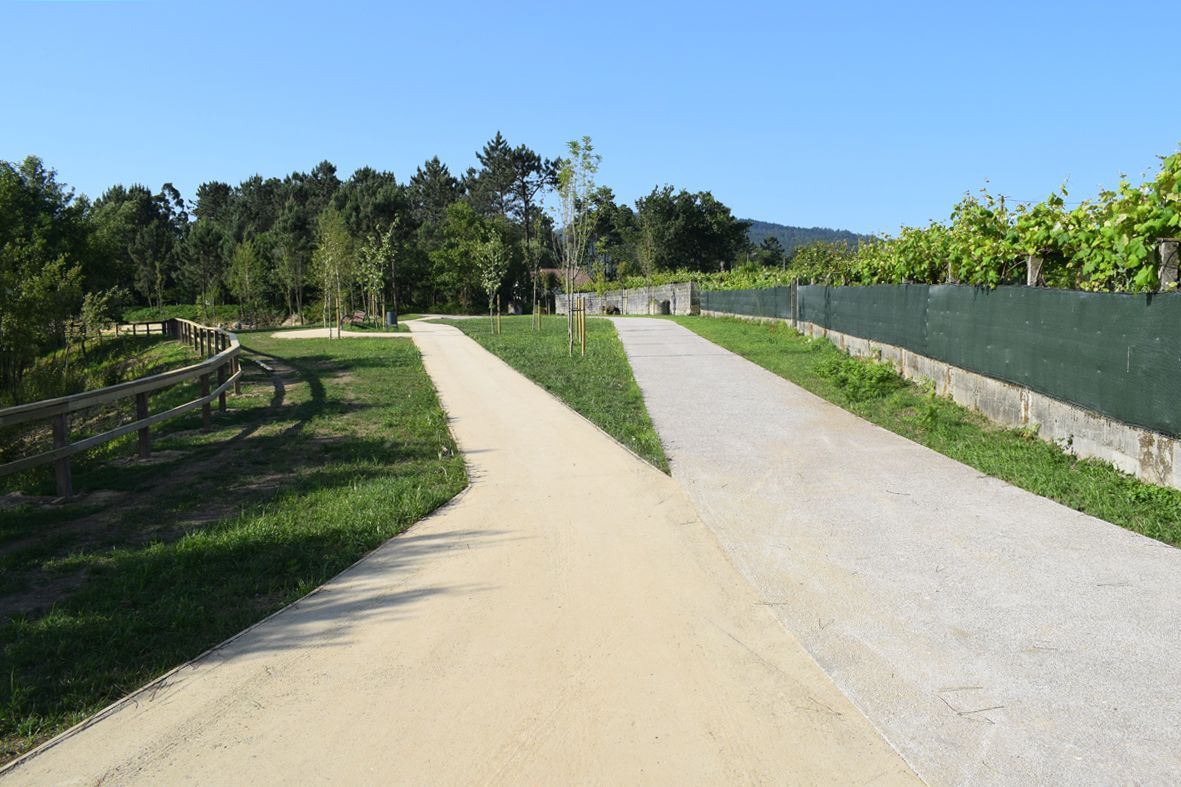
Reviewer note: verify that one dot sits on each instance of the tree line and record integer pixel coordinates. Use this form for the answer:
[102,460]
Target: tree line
[314,246]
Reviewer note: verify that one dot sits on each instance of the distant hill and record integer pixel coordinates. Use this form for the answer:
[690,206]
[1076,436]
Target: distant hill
[794,237]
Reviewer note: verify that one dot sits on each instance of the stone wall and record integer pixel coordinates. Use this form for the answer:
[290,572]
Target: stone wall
[680,299]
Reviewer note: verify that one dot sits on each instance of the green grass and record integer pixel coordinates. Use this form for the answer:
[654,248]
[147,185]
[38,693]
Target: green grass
[112,360]
[600,386]
[102,595]
[115,360]
[878,394]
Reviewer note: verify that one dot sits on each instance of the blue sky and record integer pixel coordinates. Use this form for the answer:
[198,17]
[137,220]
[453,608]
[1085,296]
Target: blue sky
[856,115]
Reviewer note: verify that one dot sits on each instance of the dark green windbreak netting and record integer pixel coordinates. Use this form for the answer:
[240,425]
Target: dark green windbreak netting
[1116,353]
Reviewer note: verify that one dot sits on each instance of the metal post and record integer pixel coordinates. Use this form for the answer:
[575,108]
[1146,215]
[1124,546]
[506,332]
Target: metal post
[61,467]
[141,412]
[206,413]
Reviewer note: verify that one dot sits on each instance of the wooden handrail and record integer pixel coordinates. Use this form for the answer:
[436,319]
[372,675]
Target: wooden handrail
[223,350]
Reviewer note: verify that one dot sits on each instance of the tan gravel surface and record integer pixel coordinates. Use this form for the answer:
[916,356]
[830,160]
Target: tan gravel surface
[566,620]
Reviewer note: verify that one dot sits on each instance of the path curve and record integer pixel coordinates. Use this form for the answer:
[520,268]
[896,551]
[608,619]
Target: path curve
[993,635]
[566,620]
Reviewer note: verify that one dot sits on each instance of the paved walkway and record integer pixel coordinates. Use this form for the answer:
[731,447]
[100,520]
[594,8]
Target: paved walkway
[992,635]
[567,620]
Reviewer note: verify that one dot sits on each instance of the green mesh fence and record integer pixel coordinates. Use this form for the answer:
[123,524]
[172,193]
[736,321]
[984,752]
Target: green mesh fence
[770,302]
[1116,353]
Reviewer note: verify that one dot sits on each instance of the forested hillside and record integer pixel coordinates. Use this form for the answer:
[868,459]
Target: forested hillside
[792,238]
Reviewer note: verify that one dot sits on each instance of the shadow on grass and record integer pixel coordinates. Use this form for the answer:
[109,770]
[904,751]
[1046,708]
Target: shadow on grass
[197,550]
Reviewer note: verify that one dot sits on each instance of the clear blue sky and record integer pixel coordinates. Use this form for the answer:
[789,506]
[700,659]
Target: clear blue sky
[855,115]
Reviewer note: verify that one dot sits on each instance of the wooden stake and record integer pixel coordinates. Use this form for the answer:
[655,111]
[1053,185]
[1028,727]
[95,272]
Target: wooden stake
[61,467]
[141,412]
[206,411]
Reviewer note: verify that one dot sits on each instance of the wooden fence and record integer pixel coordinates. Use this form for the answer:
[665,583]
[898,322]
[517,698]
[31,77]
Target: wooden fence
[220,350]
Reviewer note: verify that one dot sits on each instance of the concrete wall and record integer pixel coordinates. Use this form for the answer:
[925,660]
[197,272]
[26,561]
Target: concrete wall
[1150,456]
[680,299]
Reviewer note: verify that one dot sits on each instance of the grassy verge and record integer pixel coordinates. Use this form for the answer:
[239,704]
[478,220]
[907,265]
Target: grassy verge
[308,471]
[878,394]
[115,360]
[599,386]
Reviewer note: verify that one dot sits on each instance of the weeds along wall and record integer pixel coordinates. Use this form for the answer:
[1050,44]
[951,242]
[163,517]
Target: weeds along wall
[1116,354]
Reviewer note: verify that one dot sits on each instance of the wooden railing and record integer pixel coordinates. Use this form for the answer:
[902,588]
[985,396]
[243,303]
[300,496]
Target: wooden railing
[221,351]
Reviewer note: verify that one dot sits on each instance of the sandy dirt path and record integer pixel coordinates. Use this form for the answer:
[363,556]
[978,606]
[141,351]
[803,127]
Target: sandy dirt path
[994,636]
[566,620]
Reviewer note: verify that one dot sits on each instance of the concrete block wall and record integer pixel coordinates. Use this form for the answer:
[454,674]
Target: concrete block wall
[1148,455]
[682,299]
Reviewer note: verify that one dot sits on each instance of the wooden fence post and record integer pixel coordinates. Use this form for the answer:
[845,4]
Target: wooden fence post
[141,412]
[1169,263]
[237,369]
[206,411]
[61,467]
[221,380]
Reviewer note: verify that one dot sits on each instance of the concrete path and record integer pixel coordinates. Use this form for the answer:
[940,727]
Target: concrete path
[992,635]
[567,620]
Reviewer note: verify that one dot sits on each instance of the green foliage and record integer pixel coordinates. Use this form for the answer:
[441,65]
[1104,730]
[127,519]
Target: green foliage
[453,261]
[792,238]
[42,249]
[1108,243]
[692,231]
[860,380]
[223,314]
[114,360]
[492,259]
[750,276]
[246,278]
[333,263]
